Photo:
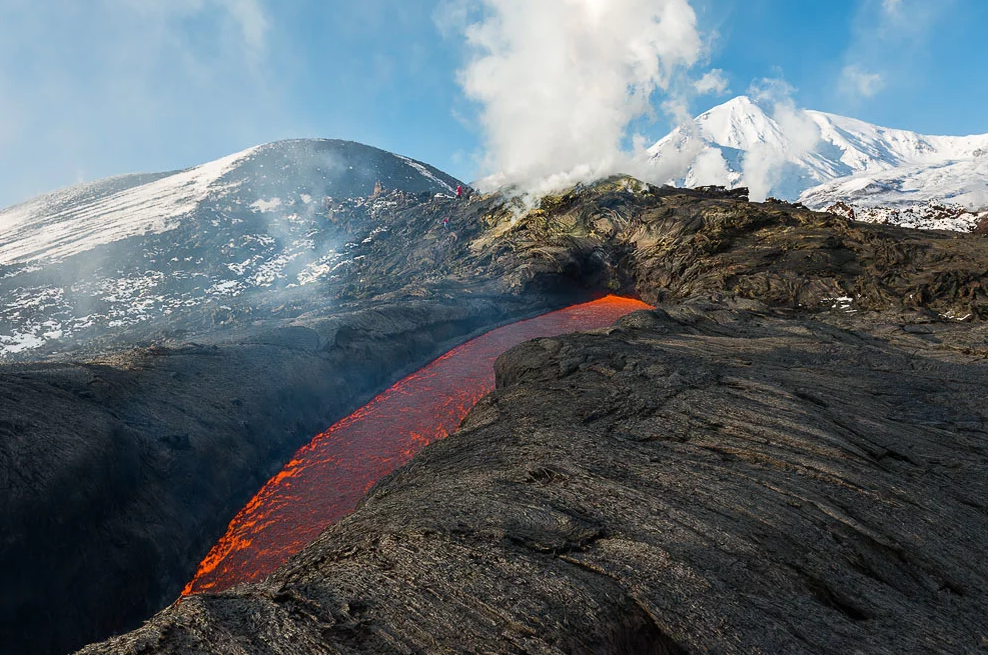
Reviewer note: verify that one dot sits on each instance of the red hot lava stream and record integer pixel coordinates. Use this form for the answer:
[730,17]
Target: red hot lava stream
[328,476]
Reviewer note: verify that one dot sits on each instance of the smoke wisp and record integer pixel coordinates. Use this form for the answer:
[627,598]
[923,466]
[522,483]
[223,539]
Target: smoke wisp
[767,165]
[559,82]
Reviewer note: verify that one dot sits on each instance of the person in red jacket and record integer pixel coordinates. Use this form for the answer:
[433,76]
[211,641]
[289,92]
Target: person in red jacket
[459,191]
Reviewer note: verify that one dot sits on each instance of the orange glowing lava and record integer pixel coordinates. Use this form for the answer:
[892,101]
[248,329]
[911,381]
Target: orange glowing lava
[328,476]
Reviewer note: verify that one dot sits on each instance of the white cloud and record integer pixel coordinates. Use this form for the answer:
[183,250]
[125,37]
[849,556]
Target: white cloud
[771,91]
[713,81]
[253,21]
[892,7]
[855,81]
[452,17]
[888,44]
[710,168]
[559,81]
[247,17]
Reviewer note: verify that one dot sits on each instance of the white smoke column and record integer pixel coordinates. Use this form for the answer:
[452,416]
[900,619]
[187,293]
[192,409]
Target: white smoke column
[560,81]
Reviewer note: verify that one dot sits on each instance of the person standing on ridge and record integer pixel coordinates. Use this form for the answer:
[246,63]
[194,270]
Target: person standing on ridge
[459,191]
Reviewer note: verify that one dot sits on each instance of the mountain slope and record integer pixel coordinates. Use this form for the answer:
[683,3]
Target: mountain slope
[787,153]
[118,256]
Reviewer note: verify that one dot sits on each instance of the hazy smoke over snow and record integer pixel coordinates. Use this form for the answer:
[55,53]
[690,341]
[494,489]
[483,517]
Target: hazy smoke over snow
[560,81]
[709,168]
[765,164]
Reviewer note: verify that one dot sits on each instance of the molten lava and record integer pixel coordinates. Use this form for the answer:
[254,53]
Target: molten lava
[327,477]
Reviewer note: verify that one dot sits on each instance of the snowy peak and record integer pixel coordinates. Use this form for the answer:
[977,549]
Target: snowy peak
[740,124]
[865,145]
[70,221]
[782,151]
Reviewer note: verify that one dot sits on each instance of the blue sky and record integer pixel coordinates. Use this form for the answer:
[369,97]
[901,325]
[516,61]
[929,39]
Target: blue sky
[104,87]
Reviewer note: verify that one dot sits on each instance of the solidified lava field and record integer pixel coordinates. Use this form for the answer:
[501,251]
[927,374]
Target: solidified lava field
[326,478]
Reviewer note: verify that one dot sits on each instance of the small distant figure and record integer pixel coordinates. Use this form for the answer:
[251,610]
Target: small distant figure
[459,191]
[446,222]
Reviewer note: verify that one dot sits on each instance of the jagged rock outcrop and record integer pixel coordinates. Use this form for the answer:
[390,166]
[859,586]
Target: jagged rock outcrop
[716,477]
[664,244]
[843,210]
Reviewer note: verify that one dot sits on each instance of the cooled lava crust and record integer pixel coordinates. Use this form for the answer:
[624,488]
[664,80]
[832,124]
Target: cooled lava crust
[124,471]
[715,477]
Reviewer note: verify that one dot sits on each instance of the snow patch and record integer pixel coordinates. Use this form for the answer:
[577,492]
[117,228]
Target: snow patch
[425,172]
[266,206]
[842,303]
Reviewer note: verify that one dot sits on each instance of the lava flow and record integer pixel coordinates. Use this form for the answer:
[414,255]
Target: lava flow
[327,477]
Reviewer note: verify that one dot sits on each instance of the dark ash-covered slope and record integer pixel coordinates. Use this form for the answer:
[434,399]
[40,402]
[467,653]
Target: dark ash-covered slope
[790,456]
[198,252]
[197,329]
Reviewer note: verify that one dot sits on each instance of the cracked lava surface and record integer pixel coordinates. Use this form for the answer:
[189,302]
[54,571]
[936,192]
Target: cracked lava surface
[327,477]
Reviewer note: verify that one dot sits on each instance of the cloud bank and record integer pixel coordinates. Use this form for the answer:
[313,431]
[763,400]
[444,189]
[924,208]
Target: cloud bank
[559,82]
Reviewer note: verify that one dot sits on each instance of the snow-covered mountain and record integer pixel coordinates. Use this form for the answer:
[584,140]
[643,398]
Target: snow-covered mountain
[822,158]
[200,247]
[961,182]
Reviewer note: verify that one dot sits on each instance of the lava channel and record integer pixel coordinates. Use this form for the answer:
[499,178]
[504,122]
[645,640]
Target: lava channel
[327,477]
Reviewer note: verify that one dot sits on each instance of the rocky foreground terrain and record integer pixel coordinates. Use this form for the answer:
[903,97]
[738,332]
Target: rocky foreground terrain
[789,456]
[713,477]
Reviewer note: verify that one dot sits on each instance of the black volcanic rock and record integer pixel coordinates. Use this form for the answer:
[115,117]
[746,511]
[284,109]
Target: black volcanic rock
[829,293]
[712,477]
[323,168]
[121,473]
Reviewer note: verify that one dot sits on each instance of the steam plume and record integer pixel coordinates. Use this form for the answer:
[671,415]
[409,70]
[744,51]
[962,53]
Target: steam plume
[560,81]
[765,165]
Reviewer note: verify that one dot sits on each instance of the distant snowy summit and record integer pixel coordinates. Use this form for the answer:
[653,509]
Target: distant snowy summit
[822,159]
[221,244]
